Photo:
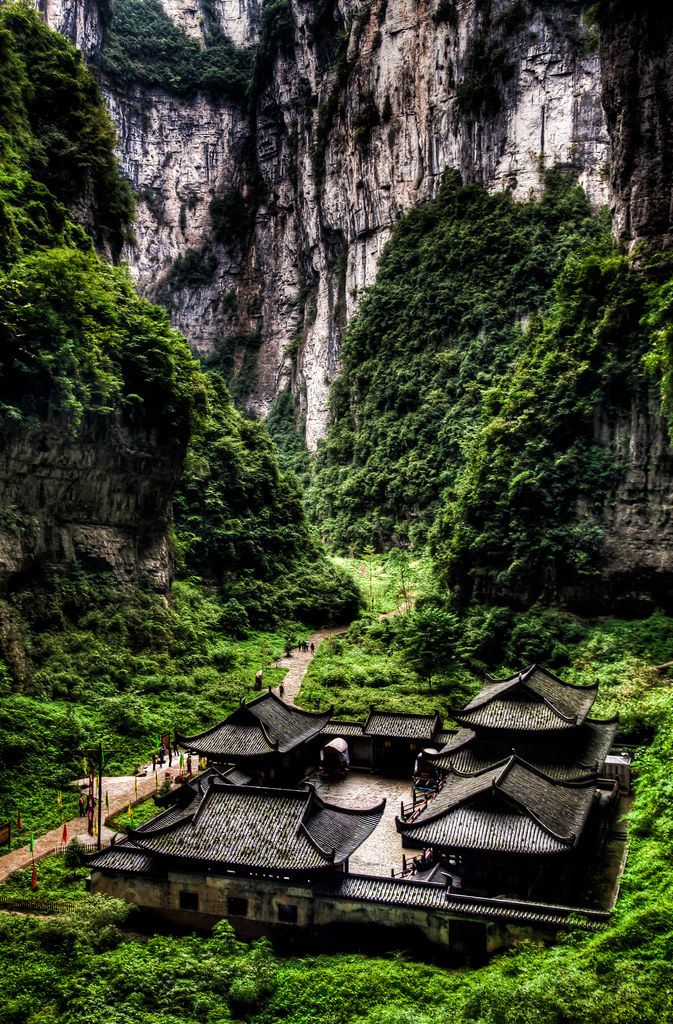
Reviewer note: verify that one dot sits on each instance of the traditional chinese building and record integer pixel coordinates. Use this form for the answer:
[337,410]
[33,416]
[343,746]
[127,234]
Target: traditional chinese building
[518,814]
[508,830]
[267,739]
[521,810]
[538,717]
[197,855]
[388,741]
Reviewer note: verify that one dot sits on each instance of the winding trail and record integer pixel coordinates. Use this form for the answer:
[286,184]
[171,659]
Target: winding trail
[121,789]
[121,792]
[298,662]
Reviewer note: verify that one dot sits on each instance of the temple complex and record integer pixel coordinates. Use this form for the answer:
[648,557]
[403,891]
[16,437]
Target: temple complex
[507,817]
[268,739]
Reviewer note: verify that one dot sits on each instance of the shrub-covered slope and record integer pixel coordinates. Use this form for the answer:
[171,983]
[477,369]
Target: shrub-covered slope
[489,378]
[101,402]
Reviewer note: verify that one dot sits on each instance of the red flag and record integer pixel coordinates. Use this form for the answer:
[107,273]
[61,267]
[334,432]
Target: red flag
[34,878]
[19,825]
[64,837]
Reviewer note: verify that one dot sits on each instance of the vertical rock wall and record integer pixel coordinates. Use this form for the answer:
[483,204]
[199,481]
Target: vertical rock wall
[345,137]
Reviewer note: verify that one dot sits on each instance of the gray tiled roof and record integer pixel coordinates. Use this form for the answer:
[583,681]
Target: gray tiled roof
[531,700]
[339,728]
[260,728]
[509,808]
[435,896]
[260,829]
[401,726]
[580,756]
[123,856]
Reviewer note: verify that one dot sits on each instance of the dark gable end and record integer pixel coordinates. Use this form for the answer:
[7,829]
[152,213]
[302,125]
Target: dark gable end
[262,728]
[507,808]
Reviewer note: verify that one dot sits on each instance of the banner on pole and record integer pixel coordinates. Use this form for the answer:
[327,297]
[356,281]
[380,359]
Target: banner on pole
[90,804]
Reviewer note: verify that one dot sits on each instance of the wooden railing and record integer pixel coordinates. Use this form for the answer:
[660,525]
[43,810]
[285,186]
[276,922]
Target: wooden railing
[88,845]
[35,904]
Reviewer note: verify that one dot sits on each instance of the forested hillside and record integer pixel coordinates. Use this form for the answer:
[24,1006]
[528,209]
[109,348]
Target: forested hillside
[477,374]
[89,649]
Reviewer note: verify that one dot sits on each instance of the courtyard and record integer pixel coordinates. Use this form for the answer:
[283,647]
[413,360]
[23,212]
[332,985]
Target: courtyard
[382,852]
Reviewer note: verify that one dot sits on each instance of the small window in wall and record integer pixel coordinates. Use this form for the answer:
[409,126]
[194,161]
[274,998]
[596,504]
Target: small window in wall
[237,906]
[189,900]
[287,912]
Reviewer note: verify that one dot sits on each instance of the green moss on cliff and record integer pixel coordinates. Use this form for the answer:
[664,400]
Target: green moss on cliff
[472,374]
[143,46]
[442,322]
[74,335]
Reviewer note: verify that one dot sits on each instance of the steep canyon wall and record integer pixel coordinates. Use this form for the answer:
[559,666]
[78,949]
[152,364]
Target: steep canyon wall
[346,138]
[352,123]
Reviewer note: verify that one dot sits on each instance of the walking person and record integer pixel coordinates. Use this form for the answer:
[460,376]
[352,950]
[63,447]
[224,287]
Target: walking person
[162,755]
[81,806]
[312,648]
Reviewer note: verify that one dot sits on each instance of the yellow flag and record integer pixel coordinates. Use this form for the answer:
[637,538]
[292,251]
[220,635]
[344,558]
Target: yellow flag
[135,785]
[128,812]
[95,826]
[59,799]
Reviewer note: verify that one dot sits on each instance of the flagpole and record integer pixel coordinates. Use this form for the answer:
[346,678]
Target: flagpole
[100,792]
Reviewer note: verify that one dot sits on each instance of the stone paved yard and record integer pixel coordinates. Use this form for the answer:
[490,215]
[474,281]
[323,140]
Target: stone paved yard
[383,850]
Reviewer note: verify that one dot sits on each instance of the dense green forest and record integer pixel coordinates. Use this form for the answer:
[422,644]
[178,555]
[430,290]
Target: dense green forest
[143,46]
[464,412]
[82,660]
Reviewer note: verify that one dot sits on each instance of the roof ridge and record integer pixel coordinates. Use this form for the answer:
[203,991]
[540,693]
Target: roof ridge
[184,741]
[571,837]
[290,707]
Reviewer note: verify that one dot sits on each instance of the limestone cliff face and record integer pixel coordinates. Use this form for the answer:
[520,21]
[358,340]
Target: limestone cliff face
[345,143]
[428,86]
[638,515]
[352,126]
[637,93]
[82,21]
[99,496]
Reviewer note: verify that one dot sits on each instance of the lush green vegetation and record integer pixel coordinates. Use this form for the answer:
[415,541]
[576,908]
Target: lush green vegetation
[513,525]
[56,143]
[290,445]
[80,966]
[441,323]
[100,664]
[465,410]
[239,522]
[82,660]
[74,336]
[59,877]
[143,45]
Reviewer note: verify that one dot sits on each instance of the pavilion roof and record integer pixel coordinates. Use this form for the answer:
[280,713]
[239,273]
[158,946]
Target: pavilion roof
[533,700]
[508,808]
[252,828]
[399,725]
[580,757]
[265,726]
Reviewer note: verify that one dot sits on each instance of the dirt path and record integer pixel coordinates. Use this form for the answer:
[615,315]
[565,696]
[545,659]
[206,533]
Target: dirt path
[298,662]
[121,792]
